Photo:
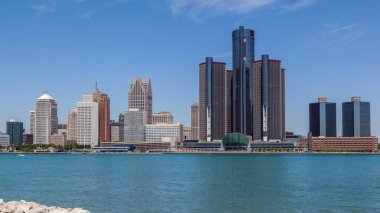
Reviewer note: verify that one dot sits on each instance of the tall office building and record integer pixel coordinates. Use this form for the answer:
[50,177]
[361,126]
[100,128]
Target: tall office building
[88,121]
[269,100]
[115,131]
[72,125]
[46,120]
[32,121]
[213,100]
[104,114]
[195,121]
[15,130]
[242,85]
[140,96]
[322,118]
[163,117]
[134,125]
[356,118]
[121,126]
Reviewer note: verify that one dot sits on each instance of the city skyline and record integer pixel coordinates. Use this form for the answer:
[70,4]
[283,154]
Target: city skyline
[320,73]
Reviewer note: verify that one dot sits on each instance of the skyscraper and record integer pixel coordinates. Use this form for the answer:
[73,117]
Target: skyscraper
[46,120]
[356,118]
[242,84]
[15,130]
[140,96]
[72,125]
[213,100]
[104,114]
[269,100]
[195,121]
[32,121]
[121,126]
[134,125]
[322,118]
[88,121]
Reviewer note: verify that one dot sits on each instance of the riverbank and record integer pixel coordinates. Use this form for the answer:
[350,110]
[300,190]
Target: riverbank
[32,207]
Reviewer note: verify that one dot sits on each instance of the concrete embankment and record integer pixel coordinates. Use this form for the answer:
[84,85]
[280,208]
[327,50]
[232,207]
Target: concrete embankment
[32,207]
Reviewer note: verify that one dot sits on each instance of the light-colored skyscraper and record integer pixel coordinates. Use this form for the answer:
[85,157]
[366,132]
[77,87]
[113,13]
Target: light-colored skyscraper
[88,121]
[140,96]
[72,125]
[195,121]
[32,121]
[46,120]
[163,117]
[134,125]
[104,114]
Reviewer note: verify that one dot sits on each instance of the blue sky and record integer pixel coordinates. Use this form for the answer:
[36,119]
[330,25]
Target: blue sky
[328,47]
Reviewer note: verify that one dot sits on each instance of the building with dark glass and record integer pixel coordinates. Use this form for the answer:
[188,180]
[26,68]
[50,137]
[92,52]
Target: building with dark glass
[356,117]
[15,130]
[268,100]
[322,118]
[214,100]
[242,82]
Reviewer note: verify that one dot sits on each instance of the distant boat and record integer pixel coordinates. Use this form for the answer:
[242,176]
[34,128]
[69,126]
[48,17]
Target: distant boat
[21,155]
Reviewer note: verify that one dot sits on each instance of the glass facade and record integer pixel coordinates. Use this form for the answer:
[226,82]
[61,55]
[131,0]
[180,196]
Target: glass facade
[235,141]
[356,119]
[322,119]
[242,88]
[15,130]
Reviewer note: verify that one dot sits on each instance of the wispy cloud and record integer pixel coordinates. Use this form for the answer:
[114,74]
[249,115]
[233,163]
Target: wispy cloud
[195,9]
[299,5]
[45,6]
[91,12]
[332,34]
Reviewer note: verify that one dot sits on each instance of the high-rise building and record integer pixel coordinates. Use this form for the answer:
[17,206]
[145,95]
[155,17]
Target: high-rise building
[72,125]
[121,126]
[32,121]
[186,133]
[162,117]
[356,118]
[15,130]
[46,120]
[213,100]
[87,121]
[195,121]
[104,114]
[134,125]
[322,118]
[242,85]
[115,131]
[140,96]
[269,100]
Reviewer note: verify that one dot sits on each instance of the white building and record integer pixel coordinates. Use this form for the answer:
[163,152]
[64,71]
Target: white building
[87,121]
[32,121]
[4,139]
[164,133]
[46,120]
[115,132]
[134,124]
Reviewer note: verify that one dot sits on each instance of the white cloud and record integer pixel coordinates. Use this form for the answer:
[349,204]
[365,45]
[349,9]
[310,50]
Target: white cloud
[198,8]
[45,6]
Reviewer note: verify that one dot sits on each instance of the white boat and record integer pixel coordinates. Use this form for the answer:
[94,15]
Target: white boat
[21,155]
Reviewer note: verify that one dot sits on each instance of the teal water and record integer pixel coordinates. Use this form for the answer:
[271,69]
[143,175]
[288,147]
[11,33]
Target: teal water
[195,183]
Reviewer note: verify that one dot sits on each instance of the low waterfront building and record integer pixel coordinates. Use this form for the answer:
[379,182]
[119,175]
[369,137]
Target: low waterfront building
[58,139]
[344,144]
[164,133]
[27,139]
[4,139]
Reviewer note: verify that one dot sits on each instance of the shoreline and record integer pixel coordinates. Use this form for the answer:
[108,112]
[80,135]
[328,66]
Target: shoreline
[200,152]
